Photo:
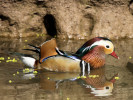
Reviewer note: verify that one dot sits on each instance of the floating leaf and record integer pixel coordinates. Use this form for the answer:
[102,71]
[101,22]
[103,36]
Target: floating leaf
[117,78]
[37,35]
[83,76]
[35,72]
[14,60]
[130,57]
[10,81]
[90,75]
[2,58]
[78,77]
[48,78]
[17,72]
[68,98]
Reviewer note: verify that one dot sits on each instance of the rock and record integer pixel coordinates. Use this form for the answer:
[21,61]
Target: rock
[78,19]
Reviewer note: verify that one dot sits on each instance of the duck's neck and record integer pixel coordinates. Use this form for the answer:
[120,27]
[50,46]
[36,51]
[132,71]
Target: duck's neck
[96,57]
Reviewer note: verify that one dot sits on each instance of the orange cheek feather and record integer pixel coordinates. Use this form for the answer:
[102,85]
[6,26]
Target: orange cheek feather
[108,51]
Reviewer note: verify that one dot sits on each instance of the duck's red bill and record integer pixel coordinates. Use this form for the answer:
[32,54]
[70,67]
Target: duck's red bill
[114,55]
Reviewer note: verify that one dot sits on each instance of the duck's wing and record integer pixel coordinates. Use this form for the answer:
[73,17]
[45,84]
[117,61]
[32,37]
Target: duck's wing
[62,53]
[48,49]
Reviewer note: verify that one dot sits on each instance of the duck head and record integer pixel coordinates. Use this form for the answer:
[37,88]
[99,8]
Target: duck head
[94,50]
[107,46]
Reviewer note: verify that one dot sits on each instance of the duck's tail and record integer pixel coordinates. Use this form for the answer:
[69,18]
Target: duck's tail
[27,59]
[36,49]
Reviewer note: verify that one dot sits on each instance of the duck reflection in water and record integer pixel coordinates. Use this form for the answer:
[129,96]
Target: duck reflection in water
[95,83]
[100,85]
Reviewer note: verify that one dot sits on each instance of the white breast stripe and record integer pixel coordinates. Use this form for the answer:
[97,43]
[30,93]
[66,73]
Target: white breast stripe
[88,65]
[83,68]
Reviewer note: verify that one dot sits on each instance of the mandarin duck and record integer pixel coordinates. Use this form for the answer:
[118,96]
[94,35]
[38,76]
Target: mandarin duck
[92,53]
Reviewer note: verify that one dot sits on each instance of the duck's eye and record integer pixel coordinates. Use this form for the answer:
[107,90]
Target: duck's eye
[107,87]
[107,46]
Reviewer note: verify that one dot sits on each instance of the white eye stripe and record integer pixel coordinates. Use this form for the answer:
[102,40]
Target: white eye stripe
[102,43]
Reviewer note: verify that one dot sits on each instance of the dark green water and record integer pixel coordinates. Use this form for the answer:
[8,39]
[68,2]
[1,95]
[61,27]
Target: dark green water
[16,85]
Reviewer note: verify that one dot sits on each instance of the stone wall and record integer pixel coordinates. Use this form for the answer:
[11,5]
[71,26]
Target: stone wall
[79,19]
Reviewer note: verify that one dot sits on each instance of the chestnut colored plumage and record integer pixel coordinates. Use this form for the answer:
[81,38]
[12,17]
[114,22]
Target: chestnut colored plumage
[96,57]
[48,49]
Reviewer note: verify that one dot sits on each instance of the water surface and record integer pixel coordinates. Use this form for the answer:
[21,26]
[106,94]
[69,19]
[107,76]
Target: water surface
[113,82]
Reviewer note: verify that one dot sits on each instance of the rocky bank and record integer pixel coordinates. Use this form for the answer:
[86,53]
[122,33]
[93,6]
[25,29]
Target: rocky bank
[78,19]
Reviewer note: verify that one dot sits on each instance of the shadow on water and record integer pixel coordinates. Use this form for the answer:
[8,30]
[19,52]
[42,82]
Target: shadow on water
[100,84]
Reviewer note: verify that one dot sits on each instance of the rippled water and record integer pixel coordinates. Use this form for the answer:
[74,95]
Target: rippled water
[112,82]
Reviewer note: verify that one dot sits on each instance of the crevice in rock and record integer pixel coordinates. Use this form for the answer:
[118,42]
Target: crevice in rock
[3,18]
[130,6]
[92,21]
[50,24]
[33,29]
[15,0]
[99,3]
[41,3]
[130,2]
[36,13]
